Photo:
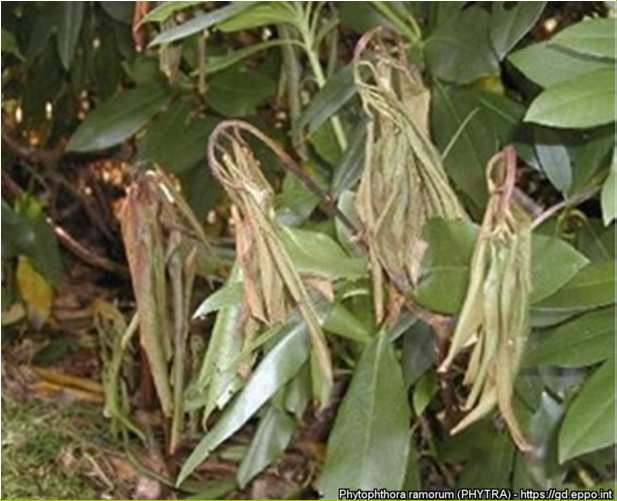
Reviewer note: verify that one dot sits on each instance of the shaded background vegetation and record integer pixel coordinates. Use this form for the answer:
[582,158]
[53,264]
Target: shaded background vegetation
[95,93]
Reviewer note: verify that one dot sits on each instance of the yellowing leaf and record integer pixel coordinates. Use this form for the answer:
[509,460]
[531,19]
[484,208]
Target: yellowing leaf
[35,292]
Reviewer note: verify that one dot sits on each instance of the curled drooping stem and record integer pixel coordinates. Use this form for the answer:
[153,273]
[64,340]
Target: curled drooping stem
[234,127]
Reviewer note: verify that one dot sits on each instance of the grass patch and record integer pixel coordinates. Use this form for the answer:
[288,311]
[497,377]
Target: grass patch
[48,450]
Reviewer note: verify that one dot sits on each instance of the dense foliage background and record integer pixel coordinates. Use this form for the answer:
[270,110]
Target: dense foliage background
[96,93]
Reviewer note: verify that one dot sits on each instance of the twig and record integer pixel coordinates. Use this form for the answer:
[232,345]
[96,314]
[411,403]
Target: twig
[84,254]
[47,157]
[287,162]
[12,189]
[575,200]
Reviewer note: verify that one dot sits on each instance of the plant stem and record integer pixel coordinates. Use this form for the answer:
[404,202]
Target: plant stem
[306,29]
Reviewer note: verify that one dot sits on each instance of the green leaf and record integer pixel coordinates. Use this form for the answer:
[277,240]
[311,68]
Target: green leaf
[69,26]
[276,369]
[590,419]
[118,118]
[349,169]
[237,92]
[540,472]
[419,352]
[317,254]
[494,123]
[227,296]
[586,340]
[596,241]
[473,446]
[590,154]
[218,379]
[199,23]
[553,263]
[594,37]
[587,101]
[592,287]
[295,203]
[444,274]
[369,443]
[260,14]
[216,63]
[176,140]
[459,51]
[9,44]
[165,9]
[508,26]
[554,158]
[360,16]
[609,204]
[339,320]
[29,234]
[547,64]
[325,144]
[271,439]
[424,391]
[337,91]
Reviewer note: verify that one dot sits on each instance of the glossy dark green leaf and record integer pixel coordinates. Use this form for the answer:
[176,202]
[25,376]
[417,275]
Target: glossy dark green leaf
[419,352]
[609,204]
[218,63]
[350,167]
[592,287]
[339,320]
[118,118]
[69,26]
[587,101]
[586,340]
[218,379]
[541,471]
[275,370]
[299,392]
[325,144]
[259,14]
[32,237]
[176,140]
[317,254]
[554,158]
[369,443]
[476,143]
[165,9]
[590,419]
[472,447]
[547,64]
[444,274]
[597,241]
[337,91]
[228,295]
[459,50]
[199,23]
[237,93]
[509,25]
[553,263]
[590,154]
[360,16]
[424,391]
[271,439]
[295,203]
[593,37]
